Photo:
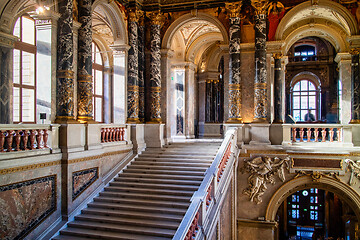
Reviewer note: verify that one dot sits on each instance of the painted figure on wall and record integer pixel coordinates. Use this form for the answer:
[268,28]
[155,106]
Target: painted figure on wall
[276,12]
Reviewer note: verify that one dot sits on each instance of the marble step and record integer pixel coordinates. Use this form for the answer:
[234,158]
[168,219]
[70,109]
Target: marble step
[137,208]
[123,228]
[171,151]
[176,156]
[69,237]
[145,196]
[175,168]
[154,186]
[142,202]
[134,214]
[149,191]
[180,160]
[128,221]
[165,172]
[106,235]
[162,176]
[121,178]
[162,163]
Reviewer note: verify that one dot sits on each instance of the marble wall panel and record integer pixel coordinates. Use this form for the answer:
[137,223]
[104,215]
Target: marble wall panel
[247,76]
[24,205]
[81,180]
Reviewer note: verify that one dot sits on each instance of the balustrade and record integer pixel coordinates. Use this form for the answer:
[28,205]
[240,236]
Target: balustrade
[15,138]
[316,134]
[113,134]
[194,227]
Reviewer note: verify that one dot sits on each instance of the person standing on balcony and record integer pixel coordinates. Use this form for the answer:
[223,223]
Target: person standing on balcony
[309,117]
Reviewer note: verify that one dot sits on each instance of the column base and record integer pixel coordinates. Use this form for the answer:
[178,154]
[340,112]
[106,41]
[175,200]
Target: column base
[260,120]
[133,120]
[260,134]
[137,137]
[66,120]
[86,119]
[234,120]
[154,135]
[278,121]
[154,121]
[355,121]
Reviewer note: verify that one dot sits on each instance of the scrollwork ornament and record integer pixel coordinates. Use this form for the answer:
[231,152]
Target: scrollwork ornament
[263,171]
[316,176]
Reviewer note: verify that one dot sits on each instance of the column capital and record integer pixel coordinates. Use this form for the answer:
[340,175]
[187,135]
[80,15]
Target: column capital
[341,57]
[156,17]
[275,47]
[7,40]
[120,48]
[46,15]
[354,41]
[135,15]
[354,51]
[166,52]
[233,9]
[260,6]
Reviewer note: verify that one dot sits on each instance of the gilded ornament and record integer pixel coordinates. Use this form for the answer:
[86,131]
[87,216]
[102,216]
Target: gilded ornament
[156,17]
[354,51]
[260,6]
[233,9]
[277,55]
[262,171]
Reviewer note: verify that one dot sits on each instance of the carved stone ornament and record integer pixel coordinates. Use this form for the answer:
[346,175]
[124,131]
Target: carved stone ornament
[262,171]
[354,168]
[233,9]
[316,176]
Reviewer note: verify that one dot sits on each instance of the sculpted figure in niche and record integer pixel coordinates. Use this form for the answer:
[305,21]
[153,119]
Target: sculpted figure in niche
[262,171]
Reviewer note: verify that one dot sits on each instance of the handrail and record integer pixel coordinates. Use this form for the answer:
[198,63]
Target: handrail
[200,197]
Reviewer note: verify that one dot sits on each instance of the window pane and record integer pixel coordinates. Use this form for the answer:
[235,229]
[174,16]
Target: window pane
[310,53]
[98,114]
[297,115]
[99,83]
[16,66]
[312,103]
[28,100]
[28,68]
[93,52]
[297,54]
[28,30]
[304,103]
[98,58]
[296,102]
[17,28]
[297,87]
[311,86]
[16,104]
[304,85]
[303,53]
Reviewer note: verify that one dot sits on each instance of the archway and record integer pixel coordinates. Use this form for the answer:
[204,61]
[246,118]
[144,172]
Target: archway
[195,41]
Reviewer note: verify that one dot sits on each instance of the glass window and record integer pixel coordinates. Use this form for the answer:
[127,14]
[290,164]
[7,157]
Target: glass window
[24,74]
[304,101]
[98,83]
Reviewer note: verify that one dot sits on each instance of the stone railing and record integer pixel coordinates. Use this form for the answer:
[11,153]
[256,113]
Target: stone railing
[203,201]
[28,137]
[113,133]
[317,134]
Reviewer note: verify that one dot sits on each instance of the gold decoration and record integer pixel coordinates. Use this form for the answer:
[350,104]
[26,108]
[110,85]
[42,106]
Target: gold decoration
[260,6]
[156,17]
[354,51]
[233,9]
[65,74]
[135,15]
[235,87]
[84,78]
[260,85]
[277,55]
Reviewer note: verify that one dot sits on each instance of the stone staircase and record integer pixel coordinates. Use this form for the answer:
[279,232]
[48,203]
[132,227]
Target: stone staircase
[149,198]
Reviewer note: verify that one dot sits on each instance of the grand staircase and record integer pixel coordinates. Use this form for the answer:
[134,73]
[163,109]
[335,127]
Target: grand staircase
[149,198]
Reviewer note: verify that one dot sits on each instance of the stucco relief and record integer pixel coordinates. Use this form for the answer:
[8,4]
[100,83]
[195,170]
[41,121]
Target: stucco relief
[354,168]
[263,171]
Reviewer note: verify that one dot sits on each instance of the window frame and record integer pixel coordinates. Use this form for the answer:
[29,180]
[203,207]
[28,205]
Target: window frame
[97,67]
[28,48]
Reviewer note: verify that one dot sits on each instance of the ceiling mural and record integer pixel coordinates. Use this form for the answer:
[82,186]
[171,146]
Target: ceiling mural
[101,25]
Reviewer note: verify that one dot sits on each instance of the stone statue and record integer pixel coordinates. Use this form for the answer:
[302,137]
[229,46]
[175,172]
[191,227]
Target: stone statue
[262,170]
[354,168]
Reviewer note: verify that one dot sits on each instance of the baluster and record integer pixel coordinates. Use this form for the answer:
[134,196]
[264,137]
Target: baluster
[323,135]
[293,134]
[2,141]
[32,139]
[39,139]
[301,134]
[331,134]
[122,134]
[316,134]
[208,196]
[17,140]
[45,138]
[25,137]
[112,134]
[107,134]
[338,132]
[102,135]
[9,140]
[308,132]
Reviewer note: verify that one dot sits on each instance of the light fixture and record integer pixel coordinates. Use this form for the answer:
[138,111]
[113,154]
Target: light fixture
[42,9]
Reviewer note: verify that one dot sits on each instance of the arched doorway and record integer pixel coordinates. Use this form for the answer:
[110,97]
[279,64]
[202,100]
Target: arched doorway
[298,197]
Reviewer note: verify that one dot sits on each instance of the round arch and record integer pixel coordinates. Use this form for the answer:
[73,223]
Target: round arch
[308,76]
[345,192]
[107,53]
[116,18]
[166,43]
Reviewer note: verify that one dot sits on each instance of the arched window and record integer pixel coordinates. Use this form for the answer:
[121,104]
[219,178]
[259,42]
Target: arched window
[304,101]
[98,83]
[24,71]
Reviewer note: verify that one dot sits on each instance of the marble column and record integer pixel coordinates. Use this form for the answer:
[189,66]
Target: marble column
[155,67]
[234,63]
[65,58]
[355,87]
[260,84]
[84,73]
[141,58]
[190,100]
[344,65]
[133,69]
[7,42]
[279,88]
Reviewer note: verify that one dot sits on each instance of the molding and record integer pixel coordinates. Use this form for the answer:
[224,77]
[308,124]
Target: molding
[29,167]
[7,40]
[256,224]
[96,157]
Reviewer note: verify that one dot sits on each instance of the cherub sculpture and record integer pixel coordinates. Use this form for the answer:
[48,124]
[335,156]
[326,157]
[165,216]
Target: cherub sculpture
[354,168]
[262,170]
